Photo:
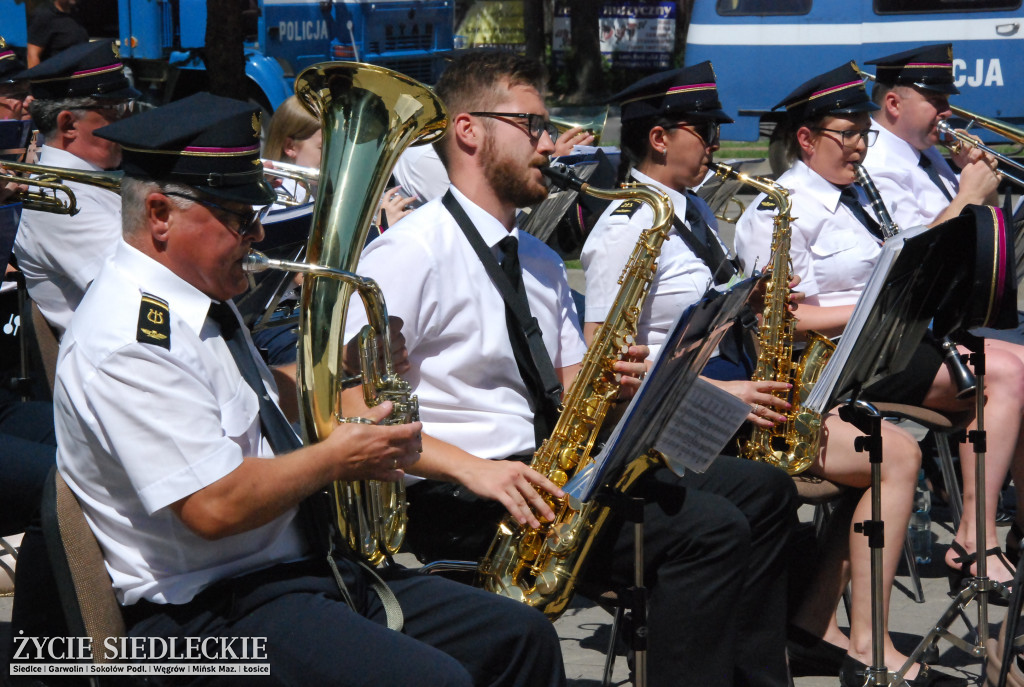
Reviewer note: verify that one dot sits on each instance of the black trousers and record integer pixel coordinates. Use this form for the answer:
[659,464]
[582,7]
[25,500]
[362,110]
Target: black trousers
[453,635]
[713,559]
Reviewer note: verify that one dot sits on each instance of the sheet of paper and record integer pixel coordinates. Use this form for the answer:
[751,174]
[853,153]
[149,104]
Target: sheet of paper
[700,427]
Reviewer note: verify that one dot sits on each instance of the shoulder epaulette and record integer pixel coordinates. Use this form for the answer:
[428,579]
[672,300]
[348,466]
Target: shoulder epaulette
[628,207]
[768,204]
[154,322]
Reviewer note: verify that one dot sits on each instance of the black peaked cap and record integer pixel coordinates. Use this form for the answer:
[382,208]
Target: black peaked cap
[837,92]
[928,66]
[689,93]
[85,70]
[204,141]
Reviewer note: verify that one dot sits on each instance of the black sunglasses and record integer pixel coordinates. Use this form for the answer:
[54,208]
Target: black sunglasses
[248,222]
[709,132]
[536,124]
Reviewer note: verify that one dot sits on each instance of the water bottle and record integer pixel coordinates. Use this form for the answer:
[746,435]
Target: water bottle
[921,522]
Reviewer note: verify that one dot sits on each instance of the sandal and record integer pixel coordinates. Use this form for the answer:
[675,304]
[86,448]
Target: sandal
[958,577]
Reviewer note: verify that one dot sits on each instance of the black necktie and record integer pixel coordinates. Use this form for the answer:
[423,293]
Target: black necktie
[544,421]
[925,163]
[848,197]
[279,433]
[721,268]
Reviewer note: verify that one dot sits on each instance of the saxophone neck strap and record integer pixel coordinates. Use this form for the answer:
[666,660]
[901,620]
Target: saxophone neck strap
[516,303]
[710,253]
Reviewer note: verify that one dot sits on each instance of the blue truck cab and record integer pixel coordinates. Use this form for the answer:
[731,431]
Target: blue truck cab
[763,49]
[162,40]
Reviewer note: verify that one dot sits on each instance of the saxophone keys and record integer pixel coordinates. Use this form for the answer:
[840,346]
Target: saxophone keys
[562,538]
[510,590]
[546,582]
[559,477]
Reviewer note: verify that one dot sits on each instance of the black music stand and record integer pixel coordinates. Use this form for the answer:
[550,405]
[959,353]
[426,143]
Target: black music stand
[921,278]
[691,343]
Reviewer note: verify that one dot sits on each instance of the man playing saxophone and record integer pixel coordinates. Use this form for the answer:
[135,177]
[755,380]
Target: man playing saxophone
[482,396]
[200,494]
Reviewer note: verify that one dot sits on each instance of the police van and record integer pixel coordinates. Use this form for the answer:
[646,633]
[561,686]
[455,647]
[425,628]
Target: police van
[763,49]
[162,41]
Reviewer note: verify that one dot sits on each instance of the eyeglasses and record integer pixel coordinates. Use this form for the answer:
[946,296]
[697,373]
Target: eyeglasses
[850,137]
[536,124]
[248,222]
[709,132]
[125,108]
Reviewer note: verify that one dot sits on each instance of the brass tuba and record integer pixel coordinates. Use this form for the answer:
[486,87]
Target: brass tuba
[792,445]
[369,115]
[539,566]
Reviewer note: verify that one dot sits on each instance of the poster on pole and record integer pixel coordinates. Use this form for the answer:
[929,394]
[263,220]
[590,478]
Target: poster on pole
[639,34]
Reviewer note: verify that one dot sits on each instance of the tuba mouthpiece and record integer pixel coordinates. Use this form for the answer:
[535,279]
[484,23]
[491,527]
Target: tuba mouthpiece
[255,261]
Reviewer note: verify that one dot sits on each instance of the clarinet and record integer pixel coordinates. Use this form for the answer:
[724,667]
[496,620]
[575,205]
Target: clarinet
[966,384]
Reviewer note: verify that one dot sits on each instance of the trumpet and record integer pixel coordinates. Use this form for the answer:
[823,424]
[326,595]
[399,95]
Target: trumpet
[305,178]
[51,192]
[965,139]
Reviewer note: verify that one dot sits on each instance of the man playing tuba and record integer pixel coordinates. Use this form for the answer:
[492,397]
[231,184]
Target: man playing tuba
[192,480]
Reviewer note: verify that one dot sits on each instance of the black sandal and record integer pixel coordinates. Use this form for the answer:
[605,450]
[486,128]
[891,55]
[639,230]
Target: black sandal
[958,577]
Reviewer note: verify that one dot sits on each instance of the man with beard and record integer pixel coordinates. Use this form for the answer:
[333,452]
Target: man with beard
[487,398]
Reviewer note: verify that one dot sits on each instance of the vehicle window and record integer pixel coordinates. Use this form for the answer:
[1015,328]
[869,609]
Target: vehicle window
[934,6]
[734,8]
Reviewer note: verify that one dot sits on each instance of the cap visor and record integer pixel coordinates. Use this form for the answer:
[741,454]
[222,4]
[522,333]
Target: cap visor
[707,116]
[866,106]
[947,88]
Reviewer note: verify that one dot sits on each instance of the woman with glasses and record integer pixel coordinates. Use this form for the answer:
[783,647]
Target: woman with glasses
[835,244]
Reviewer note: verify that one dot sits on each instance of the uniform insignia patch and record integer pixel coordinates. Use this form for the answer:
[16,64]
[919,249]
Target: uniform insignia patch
[628,208]
[154,322]
[768,204]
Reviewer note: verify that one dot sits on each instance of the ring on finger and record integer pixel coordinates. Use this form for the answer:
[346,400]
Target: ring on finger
[756,410]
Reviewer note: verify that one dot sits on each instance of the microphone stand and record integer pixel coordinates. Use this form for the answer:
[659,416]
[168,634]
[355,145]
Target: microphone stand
[980,586]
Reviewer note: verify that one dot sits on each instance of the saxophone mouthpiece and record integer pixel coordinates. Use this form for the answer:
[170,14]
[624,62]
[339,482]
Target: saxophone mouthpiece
[255,261]
[563,177]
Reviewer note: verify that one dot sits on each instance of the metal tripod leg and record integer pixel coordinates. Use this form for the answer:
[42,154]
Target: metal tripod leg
[979,586]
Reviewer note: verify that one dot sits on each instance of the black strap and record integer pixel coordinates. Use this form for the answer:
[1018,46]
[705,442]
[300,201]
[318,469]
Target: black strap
[314,511]
[848,197]
[928,166]
[700,239]
[531,355]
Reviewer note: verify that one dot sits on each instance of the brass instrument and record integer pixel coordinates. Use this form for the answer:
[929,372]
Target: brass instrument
[305,178]
[539,566]
[994,125]
[380,510]
[591,119]
[965,139]
[963,377]
[792,445]
[369,116]
[50,182]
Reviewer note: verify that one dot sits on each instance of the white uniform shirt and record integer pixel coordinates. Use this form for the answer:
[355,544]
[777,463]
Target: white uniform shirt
[464,372]
[140,427]
[60,255]
[681,279]
[910,195]
[832,252]
[421,174]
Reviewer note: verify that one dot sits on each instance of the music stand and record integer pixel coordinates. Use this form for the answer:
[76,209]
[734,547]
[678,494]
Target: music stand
[691,342]
[921,278]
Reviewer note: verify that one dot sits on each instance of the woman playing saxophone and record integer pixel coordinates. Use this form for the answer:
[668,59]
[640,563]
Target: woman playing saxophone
[832,249]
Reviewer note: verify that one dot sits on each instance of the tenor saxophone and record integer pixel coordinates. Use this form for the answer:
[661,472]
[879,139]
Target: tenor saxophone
[539,566]
[792,445]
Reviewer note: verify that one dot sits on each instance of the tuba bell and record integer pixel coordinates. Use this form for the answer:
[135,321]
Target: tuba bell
[369,116]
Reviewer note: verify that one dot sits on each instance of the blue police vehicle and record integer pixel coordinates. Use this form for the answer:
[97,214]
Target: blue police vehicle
[762,49]
[162,40]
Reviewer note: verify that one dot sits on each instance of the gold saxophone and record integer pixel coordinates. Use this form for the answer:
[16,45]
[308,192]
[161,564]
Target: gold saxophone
[539,566]
[792,445]
[369,116]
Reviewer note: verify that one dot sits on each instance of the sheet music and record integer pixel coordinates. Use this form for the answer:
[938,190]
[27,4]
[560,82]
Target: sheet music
[669,381]
[700,427]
